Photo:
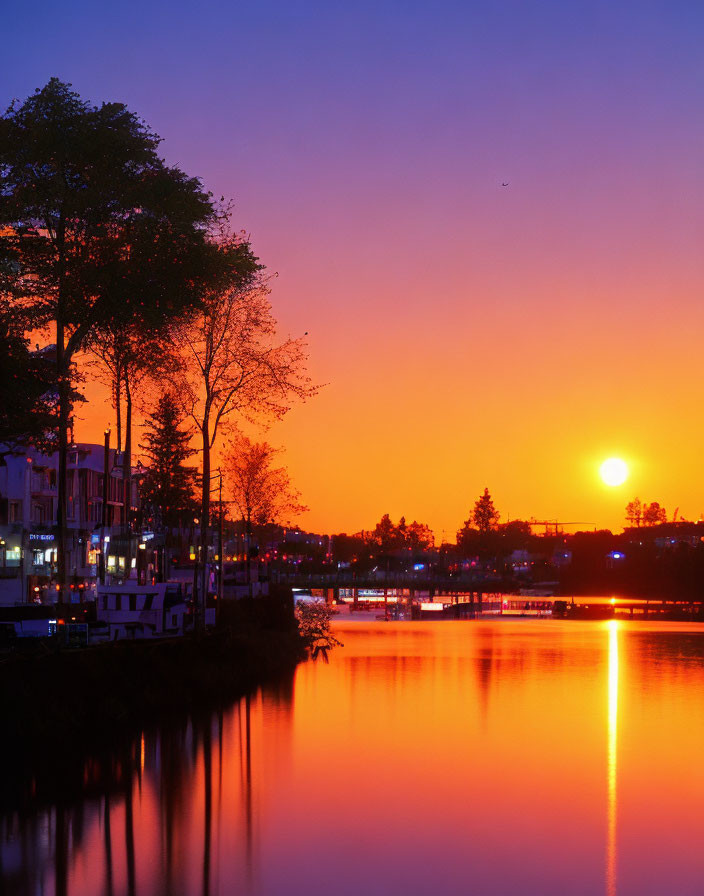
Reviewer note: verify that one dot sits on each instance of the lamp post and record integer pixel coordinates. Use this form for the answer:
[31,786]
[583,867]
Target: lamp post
[201,600]
[104,512]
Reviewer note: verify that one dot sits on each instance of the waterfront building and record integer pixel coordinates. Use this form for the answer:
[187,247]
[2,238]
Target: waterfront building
[28,517]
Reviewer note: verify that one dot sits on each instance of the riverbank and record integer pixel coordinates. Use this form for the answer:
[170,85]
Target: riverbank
[55,705]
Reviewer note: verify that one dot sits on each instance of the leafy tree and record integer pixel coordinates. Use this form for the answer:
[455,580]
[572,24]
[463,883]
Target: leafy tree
[386,536]
[95,228]
[314,619]
[653,514]
[389,537]
[485,516]
[468,538]
[261,492]
[419,536]
[634,512]
[28,396]
[514,535]
[169,485]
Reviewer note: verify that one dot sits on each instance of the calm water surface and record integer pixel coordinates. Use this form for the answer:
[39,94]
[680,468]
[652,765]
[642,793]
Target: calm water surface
[502,757]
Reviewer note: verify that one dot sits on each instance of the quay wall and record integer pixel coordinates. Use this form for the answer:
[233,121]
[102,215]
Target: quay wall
[55,702]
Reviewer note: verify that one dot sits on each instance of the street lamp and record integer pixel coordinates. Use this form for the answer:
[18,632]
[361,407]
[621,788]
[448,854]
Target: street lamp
[203,558]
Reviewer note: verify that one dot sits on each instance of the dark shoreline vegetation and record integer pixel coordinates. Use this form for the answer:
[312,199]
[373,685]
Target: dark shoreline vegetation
[70,711]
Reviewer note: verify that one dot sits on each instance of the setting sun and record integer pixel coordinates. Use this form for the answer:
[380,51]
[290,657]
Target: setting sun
[614,471]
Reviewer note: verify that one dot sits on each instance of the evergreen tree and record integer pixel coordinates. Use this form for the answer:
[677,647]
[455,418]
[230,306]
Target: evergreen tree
[485,515]
[169,486]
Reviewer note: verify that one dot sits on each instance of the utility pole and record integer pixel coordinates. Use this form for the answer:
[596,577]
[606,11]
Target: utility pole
[205,523]
[104,512]
[221,566]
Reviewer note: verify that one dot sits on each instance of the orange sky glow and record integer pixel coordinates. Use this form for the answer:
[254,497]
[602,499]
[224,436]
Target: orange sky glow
[468,334]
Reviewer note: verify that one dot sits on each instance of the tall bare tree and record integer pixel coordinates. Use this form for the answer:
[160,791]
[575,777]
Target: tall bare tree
[129,357]
[234,365]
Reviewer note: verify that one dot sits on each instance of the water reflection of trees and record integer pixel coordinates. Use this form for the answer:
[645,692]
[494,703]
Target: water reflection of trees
[137,806]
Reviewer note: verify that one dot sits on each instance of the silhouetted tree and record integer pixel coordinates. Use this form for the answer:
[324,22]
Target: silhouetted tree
[129,356]
[475,536]
[169,484]
[485,515]
[513,536]
[28,395]
[468,539]
[95,228]
[261,492]
[634,512]
[386,536]
[419,536]
[233,364]
[653,514]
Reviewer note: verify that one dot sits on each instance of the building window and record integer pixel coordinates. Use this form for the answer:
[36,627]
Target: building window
[38,558]
[13,556]
[15,512]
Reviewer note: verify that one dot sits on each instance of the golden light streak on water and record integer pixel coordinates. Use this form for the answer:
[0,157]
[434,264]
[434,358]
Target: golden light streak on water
[612,765]
[141,753]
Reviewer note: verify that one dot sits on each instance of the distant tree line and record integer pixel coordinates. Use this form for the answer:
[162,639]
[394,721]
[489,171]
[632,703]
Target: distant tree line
[642,514]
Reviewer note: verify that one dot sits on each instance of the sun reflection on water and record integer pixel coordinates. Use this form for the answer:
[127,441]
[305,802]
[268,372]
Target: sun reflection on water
[612,727]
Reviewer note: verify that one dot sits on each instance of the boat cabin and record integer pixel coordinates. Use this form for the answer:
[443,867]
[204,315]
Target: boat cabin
[132,611]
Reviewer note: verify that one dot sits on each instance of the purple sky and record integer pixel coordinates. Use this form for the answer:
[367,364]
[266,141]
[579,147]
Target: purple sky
[469,334]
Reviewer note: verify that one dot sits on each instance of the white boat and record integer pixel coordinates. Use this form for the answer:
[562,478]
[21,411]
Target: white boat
[133,611]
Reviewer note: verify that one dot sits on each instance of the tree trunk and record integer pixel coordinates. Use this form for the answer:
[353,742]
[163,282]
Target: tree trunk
[62,377]
[62,488]
[117,390]
[248,552]
[127,477]
[204,518]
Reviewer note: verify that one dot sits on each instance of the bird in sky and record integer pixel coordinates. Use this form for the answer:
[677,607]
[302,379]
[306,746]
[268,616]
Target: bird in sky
[505,184]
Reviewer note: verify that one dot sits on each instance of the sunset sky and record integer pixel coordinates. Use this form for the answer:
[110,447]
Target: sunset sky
[469,334]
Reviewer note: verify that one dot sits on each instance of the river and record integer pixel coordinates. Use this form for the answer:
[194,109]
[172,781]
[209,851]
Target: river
[505,756]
